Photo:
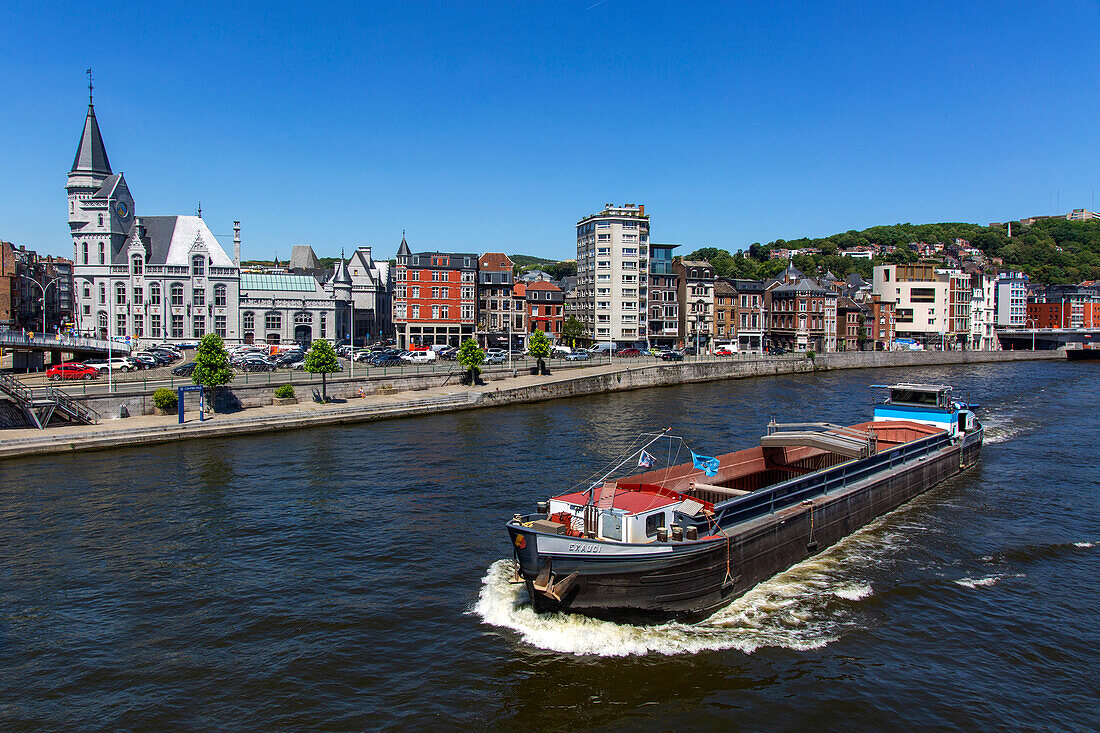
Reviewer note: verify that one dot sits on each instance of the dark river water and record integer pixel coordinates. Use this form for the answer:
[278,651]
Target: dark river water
[352,578]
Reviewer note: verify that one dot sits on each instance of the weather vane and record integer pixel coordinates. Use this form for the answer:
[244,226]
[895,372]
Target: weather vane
[89,73]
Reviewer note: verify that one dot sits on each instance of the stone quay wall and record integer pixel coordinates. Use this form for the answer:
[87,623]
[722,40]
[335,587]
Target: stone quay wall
[568,382]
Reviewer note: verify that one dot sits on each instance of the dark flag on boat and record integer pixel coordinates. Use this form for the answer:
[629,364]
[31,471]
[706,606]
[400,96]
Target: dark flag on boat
[708,464]
[645,460]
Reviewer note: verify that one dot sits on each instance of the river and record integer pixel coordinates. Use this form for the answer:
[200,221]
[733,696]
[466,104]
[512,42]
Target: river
[352,578]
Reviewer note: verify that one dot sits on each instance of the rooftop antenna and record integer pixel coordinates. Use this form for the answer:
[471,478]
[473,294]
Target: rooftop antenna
[89,73]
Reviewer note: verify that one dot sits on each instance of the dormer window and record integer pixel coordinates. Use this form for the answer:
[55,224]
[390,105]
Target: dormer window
[135,265]
[198,266]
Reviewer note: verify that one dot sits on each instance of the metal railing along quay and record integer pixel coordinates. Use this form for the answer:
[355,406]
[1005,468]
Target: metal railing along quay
[17,339]
[143,382]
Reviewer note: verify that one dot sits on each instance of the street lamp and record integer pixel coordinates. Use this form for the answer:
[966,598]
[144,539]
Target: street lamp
[1034,326]
[44,288]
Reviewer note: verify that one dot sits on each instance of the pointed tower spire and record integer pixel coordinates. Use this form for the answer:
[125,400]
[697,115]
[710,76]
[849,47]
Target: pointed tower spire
[91,155]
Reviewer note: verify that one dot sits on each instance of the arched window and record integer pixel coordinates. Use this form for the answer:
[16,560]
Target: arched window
[102,254]
[101,219]
[154,293]
[198,266]
[273,320]
[177,294]
[85,252]
[102,321]
[248,321]
[102,294]
[219,296]
[135,264]
[303,317]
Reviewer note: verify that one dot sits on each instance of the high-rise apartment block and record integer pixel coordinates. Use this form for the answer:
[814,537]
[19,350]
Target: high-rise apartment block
[612,274]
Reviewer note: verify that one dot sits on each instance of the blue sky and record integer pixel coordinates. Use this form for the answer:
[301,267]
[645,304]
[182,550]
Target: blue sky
[496,126]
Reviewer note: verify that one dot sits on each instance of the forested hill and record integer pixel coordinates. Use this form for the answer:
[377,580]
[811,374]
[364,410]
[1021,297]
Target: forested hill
[1049,251]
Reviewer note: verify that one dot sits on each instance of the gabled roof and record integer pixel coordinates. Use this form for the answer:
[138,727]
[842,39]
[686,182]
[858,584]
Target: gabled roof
[520,289]
[169,240]
[91,155]
[495,261]
[543,285]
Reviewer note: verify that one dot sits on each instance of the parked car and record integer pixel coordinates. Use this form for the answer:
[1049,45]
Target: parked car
[560,352]
[72,370]
[578,356]
[497,358]
[146,361]
[184,370]
[672,356]
[386,360]
[628,352]
[724,352]
[420,357]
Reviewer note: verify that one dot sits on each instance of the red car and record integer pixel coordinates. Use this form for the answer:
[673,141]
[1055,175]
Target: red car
[628,352]
[73,370]
[723,352]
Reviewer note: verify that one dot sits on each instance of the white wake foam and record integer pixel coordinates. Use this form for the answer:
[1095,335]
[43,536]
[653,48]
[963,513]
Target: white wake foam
[986,581]
[797,609]
[1083,545]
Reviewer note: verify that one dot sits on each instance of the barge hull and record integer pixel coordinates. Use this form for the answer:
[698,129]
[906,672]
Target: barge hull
[696,583]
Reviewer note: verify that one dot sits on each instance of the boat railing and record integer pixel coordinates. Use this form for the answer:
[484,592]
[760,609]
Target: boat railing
[790,492]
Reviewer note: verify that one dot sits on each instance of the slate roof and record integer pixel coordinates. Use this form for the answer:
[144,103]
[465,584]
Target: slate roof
[341,276]
[168,241]
[302,257]
[91,155]
[802,285]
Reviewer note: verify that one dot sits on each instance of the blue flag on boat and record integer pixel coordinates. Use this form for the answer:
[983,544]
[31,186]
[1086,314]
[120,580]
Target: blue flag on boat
[708,464]
[645,460]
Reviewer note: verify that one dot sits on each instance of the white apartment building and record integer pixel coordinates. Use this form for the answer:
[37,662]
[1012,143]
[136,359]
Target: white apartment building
[1011,300]
[983,312]
[931,306]
[612,274]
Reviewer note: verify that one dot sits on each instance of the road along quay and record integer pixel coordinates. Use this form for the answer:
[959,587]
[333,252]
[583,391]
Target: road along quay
[394,399]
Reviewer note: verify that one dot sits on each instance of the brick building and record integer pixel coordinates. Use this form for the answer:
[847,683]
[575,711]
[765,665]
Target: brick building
[545,306]
[435,299]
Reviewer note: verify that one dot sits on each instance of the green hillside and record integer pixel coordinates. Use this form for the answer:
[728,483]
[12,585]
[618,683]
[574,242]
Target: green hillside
[1049,251]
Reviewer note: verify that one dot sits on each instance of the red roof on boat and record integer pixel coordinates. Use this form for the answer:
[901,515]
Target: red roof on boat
[629,500]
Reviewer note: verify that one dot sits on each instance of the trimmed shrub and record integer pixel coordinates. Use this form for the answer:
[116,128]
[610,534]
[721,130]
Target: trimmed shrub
[165,398]
[284,391]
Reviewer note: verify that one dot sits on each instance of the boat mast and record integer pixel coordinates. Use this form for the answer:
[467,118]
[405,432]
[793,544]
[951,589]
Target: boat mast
[638,452]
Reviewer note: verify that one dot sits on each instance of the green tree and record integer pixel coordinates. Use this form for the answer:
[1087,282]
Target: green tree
[470,357]
[211,366]
[539,347]
[572,330]
[321,359]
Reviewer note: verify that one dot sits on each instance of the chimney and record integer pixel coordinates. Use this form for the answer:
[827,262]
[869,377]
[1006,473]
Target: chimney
[237,243]
[641,209]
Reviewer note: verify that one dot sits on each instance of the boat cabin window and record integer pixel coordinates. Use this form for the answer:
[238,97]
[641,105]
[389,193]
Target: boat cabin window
[917,397]
[652,522]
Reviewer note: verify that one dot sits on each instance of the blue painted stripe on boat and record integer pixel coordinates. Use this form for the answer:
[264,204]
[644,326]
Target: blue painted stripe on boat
[915,413]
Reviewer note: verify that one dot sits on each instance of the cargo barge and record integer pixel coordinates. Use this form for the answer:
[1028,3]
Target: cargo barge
[685,540]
